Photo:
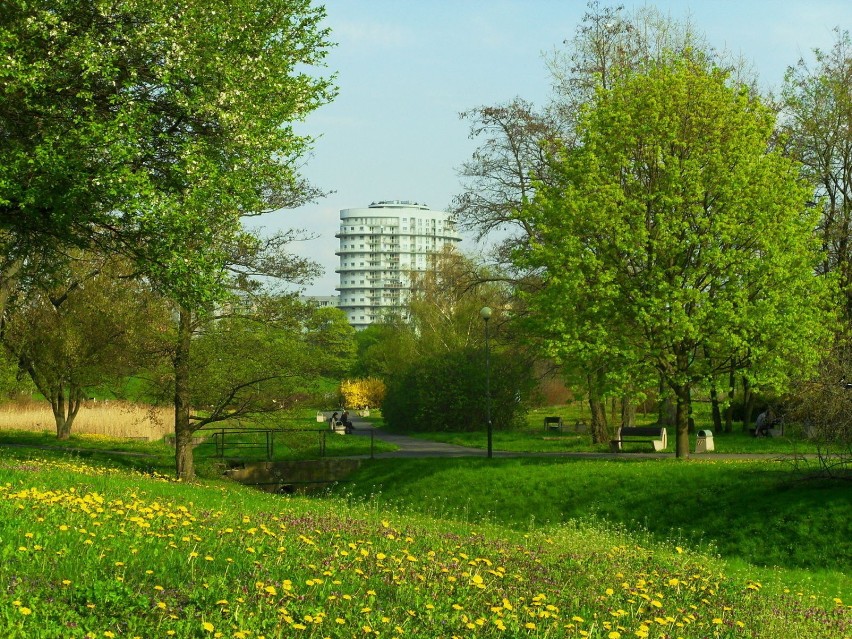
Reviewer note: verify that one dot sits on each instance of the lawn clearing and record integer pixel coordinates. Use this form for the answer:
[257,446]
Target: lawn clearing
[762,513]
[92,552]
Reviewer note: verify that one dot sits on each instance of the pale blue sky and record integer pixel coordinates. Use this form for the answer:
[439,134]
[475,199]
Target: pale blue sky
[406,68]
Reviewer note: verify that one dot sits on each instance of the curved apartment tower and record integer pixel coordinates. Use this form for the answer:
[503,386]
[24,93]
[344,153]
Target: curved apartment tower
[380,246]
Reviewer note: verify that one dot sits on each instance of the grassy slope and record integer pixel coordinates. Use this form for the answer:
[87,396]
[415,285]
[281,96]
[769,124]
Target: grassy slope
[757,512]
[93,552]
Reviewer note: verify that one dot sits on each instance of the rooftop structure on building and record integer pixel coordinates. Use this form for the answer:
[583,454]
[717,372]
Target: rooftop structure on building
[381,246]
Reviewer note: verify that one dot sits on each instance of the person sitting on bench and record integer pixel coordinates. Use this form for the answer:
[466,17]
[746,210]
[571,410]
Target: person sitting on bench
[765,421]
[347,423]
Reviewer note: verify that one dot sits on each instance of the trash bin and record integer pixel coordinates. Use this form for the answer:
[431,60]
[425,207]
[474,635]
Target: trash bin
[704,443]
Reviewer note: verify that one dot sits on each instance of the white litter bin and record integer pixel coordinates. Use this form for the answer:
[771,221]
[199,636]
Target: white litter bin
[704,442]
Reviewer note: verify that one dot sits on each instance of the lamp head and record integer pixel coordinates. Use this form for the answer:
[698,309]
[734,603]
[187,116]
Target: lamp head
[485,313]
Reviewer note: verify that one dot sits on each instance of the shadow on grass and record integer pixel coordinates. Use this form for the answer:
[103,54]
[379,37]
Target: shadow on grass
[760,512]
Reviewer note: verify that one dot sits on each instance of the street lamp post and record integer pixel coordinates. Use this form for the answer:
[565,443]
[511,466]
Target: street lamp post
[485,314]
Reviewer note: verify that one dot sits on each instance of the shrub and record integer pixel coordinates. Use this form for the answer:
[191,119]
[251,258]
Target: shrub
[447,392]
[362,393]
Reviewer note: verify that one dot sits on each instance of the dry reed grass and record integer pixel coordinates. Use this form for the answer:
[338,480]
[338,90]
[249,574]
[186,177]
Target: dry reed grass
[109,418]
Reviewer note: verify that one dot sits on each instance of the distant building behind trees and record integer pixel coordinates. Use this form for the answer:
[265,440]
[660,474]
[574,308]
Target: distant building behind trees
[380,247]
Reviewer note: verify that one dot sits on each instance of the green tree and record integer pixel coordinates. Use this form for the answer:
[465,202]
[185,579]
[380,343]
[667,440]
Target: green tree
[262,360]
[512,159]
[150,128]
[442,384]
[818,124]
[252,332]
[84,330]
[674,235]
[382,349]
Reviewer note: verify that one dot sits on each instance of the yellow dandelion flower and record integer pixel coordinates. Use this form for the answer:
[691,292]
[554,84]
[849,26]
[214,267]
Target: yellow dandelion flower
[25,611]
[614,635]
[208,626]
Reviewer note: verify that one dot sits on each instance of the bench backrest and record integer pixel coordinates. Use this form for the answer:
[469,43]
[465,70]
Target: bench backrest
[641,431]
[552,420]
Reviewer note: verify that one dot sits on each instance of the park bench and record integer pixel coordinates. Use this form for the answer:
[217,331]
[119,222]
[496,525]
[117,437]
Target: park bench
[655,435]
[553,423]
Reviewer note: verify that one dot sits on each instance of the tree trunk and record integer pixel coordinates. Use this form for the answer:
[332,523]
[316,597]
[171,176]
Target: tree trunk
[628,412]
[64,411]
[665,410]
[183,429]
[729,412]
[748,404]
[715,410]
[600,432]
[689,420]
[682,394]
[57,405]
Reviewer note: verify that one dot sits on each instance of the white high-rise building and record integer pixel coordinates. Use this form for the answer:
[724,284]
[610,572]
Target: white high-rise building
[380,246]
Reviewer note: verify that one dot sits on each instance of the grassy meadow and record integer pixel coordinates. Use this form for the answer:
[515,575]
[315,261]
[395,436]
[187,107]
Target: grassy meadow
[97,541]
[94,551]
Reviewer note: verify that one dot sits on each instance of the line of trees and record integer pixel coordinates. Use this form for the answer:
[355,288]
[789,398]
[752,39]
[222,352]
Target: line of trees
[657,216]
[660,228]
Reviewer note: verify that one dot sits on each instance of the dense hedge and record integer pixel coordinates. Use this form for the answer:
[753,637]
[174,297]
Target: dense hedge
[447,392]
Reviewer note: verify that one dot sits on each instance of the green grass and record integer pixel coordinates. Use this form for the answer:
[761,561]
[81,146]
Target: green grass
[754,542]
[762,513]
[533,438]
[537,440]
[89,551]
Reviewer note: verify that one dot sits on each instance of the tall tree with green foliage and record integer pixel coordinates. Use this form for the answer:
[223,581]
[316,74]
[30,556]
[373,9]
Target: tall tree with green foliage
[230,361]
[674,235]
[512,160]
[151,128]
